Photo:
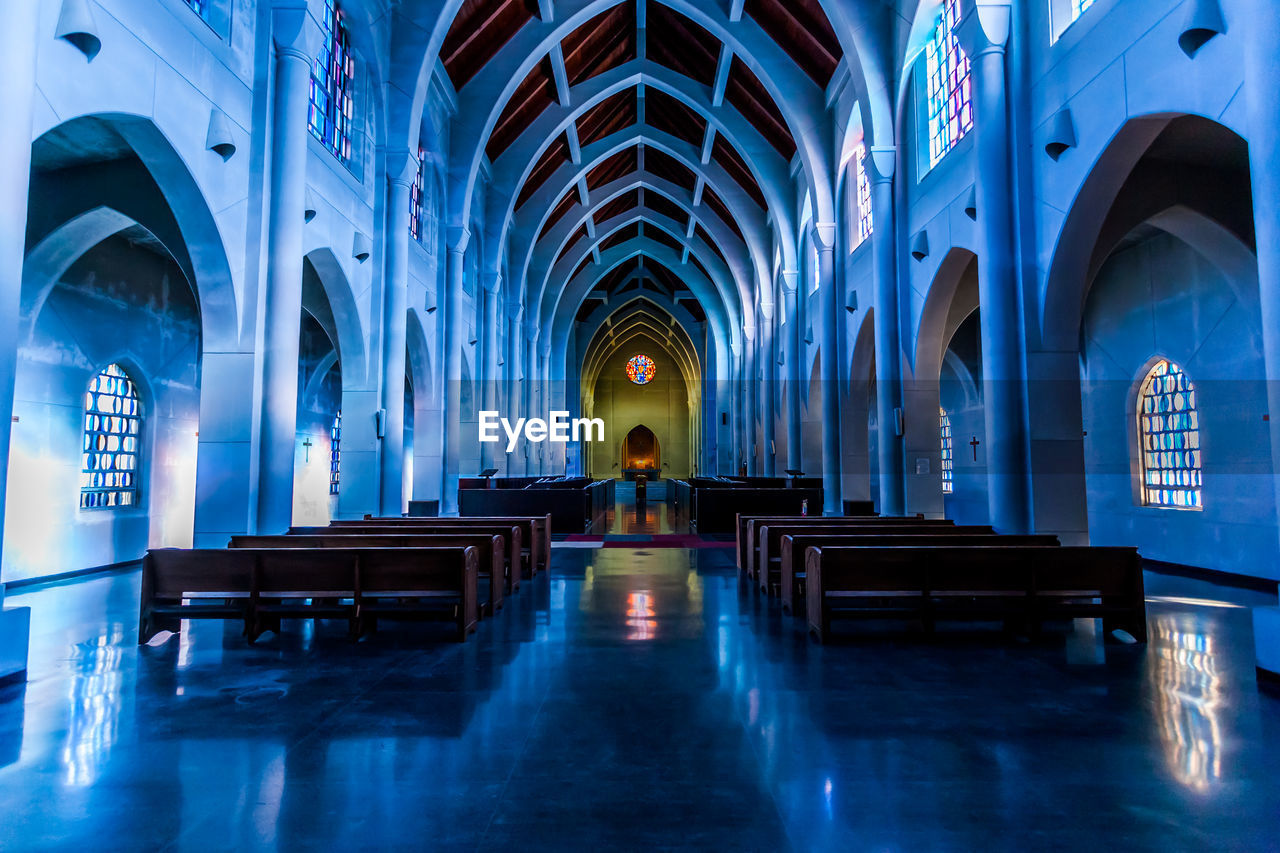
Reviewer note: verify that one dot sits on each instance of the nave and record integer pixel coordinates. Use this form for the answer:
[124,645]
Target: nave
[637,698]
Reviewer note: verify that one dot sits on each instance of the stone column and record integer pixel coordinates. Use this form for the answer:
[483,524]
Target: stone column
[17,99]
[296,36]
[881,167]
[455,327]
[515,462]
[792,347]
[544,404]
[402,171]
[1262,89]
[999,288]
[489,362]
[824,239]
[768,386]
[528,401]
[749,394]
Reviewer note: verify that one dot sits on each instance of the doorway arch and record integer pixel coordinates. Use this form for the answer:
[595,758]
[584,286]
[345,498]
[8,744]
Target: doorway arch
[640,450]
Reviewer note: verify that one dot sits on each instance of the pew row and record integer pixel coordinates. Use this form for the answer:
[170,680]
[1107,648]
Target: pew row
[755,526]
[493,560]
[261,587]
[512,537]
[791,585]
[743,520]
[536,528]
[766,568]
[1015,584]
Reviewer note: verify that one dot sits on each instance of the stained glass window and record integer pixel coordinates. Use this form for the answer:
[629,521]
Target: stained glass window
[416,193]
[112,429]
[333,86]
[1079,7]
[641,370]
[200,7]
[865,222]
[947,78]
[335,453]
[948,459]
[1169,426]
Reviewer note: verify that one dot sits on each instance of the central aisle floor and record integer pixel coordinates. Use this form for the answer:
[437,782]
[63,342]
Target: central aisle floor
[635,700]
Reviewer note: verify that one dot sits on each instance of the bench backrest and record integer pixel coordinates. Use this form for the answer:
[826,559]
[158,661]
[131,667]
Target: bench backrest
[764,536]
[744,520]
[168,573]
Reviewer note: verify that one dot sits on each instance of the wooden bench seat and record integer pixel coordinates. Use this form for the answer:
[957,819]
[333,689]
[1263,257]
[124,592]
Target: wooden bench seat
[747,547]
[1017,584]
[536,530]
[514,556]
[765,544]
[493,553]
[262,586]
[791,584]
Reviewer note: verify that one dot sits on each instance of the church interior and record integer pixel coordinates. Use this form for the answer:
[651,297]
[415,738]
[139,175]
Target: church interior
[889,453]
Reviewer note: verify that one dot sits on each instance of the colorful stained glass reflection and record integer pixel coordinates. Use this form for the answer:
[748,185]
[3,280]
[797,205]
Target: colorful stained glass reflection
[950,91]
[641,370]
[1169,426]
[112,430]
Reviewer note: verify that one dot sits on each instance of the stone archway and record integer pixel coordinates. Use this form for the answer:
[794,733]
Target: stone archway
[640,452]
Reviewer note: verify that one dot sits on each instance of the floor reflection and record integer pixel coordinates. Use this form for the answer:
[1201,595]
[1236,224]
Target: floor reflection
[1189,698]
[638,698]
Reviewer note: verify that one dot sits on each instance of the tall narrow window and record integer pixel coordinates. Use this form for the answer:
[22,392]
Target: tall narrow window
[335,454]
[1169,430]
[112,430]
[863,194]
[416,193]
[949,89]
[333,86]
[200,7]
[948,459]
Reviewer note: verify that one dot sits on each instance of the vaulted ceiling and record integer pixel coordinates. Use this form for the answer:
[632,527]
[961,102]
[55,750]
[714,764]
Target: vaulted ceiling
[638,145]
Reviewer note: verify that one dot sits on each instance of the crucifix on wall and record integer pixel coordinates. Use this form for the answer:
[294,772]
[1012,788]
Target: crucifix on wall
[974,444]
[306,449]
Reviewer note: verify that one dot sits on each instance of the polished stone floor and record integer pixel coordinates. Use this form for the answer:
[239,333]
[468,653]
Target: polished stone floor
[638,700]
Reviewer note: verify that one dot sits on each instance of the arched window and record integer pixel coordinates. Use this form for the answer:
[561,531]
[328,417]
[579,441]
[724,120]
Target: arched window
[866,224]
[948,459]
[335,454]
[333,86]
[947,81]
[1169,431]
[416,194]
[1064,13]
[112,431]
[200,7]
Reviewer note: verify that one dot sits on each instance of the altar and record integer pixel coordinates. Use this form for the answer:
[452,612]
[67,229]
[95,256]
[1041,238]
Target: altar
[650,474]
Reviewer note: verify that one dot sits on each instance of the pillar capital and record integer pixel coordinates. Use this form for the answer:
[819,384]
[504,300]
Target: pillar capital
[789,281]
[514,310]
[988,29]
[531,330]
[823,235]
[883,161]
[294,32]
[402,167]
[459,238]
[491,282]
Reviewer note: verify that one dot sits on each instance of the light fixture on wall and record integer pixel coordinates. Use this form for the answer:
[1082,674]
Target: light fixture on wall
[220,139]
[77,28]
[971,203]
[1204,21]
[852,304]
[309,206]
[361,247]
[920,245]
[1062,134]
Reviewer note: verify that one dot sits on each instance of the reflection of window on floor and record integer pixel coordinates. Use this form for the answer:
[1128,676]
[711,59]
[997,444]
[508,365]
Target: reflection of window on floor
[1188,699]
[640,616]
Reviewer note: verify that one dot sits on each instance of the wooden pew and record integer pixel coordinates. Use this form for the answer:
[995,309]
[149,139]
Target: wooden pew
[767,565]
[756,526]
[261,587]
[492,548]
[177,586]
[511,533]
[794,545]
[1027,584]
[536,529]
[742,520]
